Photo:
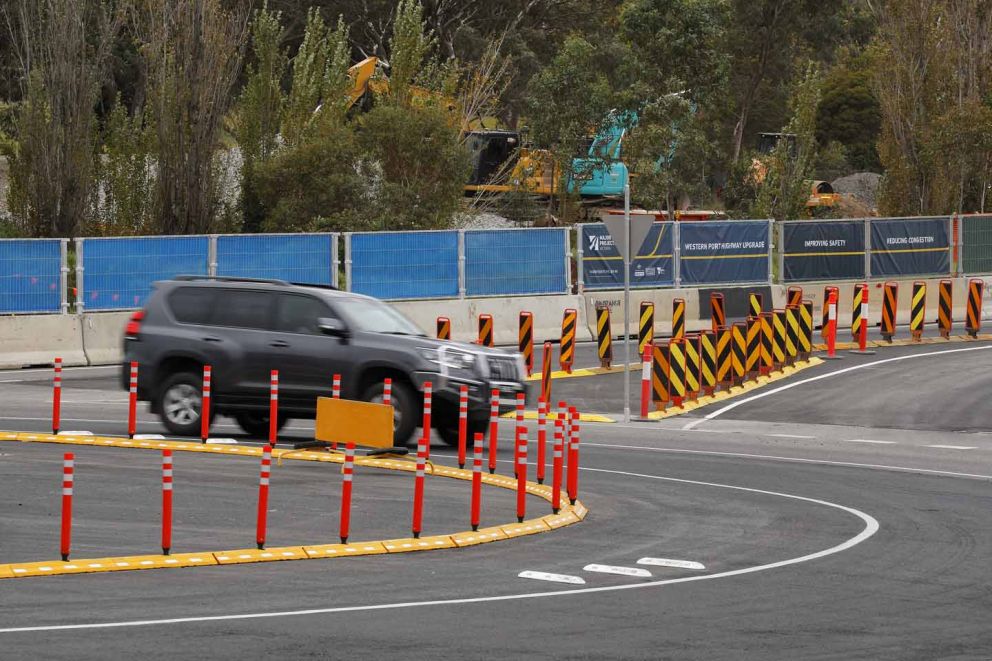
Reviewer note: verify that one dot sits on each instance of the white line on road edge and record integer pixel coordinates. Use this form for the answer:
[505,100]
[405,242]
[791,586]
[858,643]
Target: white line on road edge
[556,578]
[868,440]
[774,391]
[952,447]
[871,527]
[789,436]
[620,571]
[665,562]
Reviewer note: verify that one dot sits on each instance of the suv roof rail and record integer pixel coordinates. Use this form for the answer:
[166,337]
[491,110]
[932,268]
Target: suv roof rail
[229,278]
[317,286]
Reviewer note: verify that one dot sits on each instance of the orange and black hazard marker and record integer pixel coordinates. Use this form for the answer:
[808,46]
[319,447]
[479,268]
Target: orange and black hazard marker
[486,337]
[945,318]
[526,340]
[692,365]
[753,355]
[707,361]
[443,328]
[676,371]
[890,296]
[739,353]
[546,353]
[724,356]
[567,352]
[779,339]
[791,333]
[917,310]
[678,318]
[754,304]
[794,296]
[856,302]
[604,336]
[805,346]
[826,308]
[660,385]
[973,313]
[645,329]
[718,311]
[767,340]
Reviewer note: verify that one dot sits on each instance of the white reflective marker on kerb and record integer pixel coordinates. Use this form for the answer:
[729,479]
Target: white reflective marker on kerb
[665,562]
[554,578]
[620,571]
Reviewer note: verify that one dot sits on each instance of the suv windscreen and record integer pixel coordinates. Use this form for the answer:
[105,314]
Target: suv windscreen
[299,314]
[192,305]
[243,308]
[372,316]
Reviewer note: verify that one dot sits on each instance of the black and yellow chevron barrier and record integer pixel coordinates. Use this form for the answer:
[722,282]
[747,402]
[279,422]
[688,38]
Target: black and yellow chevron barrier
[856,301]
[794,296]
[660,385]
[918,310]
[805,346]
[754,304]
[718,311]
[707,361]
[792,333]
[678,318]
[676,371]
[973,316]
[945,318]
[566,355]
[546,354]
[739,354]
[724,356]
[443,328]
[486,338]
[826,308]
[890,298]
[692,366]
[779,340]
[525,340]
[645,330]
[753,353]
[767,343]
[604,337]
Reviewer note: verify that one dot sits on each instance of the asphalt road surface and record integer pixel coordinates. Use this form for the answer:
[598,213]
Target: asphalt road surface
[841,518]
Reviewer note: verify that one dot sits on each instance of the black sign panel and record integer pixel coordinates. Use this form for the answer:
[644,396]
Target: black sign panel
[824,250]
[910,246]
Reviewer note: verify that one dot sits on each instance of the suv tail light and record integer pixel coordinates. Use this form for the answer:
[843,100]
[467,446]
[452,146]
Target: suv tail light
[134,325]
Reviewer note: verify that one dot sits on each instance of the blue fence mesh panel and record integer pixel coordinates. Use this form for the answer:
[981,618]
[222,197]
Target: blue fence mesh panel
[405,264]
[307,258]
[526,261]
[30,275]
[118,273]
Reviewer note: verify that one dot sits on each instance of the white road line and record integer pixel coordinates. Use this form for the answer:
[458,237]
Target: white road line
[868,440]
[870,528]
[665,562]
[952,447]
[620,571]
[789,436]
[555,578]
[774,391]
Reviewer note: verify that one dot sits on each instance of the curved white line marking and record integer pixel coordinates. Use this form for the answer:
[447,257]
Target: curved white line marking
[774,391]
[871,527]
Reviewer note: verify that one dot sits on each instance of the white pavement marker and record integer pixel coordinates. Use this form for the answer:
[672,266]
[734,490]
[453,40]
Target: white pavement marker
[953,447]
[622,571]
[221,441]
[555,578]
[75,433]
[665,562]
[866,440]
[790,436]
[149,437]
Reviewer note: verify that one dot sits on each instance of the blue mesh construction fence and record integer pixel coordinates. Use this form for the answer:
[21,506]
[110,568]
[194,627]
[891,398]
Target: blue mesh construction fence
[30,275]
[525,261]
[405,264]
[304,258]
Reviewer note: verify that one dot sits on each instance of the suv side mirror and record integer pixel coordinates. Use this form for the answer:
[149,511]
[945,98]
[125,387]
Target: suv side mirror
[332,327]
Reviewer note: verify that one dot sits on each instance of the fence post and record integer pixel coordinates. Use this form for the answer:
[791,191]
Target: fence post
[212,256]
[867,248]
[579,251]
[347,261]
[461,264]
[771,252]
[80,298]
[960,270]
[566,239]
[781,252]
[677,253]
[64,276]
[335,260]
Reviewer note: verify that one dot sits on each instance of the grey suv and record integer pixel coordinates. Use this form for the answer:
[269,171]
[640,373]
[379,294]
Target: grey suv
[245,328]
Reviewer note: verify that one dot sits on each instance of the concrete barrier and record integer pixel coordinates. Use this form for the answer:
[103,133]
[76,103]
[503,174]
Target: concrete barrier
[103,336]
[37,339]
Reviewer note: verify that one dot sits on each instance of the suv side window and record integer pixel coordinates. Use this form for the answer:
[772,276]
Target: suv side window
[243,308]
[192,305]
[299,314]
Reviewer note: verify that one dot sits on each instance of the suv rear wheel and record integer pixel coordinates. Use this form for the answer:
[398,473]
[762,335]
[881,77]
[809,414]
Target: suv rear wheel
[405,409]
[256,423]
[180,404]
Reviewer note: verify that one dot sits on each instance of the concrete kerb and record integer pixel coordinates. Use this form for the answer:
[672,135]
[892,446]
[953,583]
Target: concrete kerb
[568,515]
[103,335]
[38,339]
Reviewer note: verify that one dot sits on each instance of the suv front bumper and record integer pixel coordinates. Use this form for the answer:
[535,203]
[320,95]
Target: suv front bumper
[447,388]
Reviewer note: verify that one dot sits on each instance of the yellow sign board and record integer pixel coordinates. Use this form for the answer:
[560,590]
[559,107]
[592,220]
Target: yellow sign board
[361,423]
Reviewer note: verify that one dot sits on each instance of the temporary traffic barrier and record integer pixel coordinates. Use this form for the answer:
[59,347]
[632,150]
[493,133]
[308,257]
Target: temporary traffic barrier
[692,366]
[707,361]
[806,329]
[826,299]
[794,296]
[263,496]
[753,354]
[779,340]
[525,340]
[493,428]
[676,371]
[443,328]
[890,296]
[791,333]
[166,501]
[476,481]
[546,352]
[767,343]
[542,433]
[132,401]
[678,318]
[754,304]
[973,318]
[718,312]
[556,462]
[273,407]
[205,405]
[418,488]
[462,424]
[573,458]
[856,302]
[428,399]
[68,460]
[724,356]
[646,380]
[945,317]
[660,376]
[520,468]
[740,354]
[566,353]
[917,310]
[486,338]
[645,329]
[604,336]
[347,472]
[831,326]
[57,397]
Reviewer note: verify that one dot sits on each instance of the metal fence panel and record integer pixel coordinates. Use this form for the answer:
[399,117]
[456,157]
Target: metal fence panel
[524,261]
[304,258]
[119,272]
[823,250]
[976,233]
[724,252]
[602,265]
[401,265]
[910,247]
[30,275]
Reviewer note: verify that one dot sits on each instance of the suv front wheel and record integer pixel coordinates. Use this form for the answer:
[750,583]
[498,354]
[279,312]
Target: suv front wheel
[180,404]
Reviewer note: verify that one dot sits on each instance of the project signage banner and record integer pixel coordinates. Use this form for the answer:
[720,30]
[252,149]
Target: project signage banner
[602,265]
[827,250]
[904,246]
[724,252]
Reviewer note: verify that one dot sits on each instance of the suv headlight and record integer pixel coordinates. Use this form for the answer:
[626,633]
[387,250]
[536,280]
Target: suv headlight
[448,357]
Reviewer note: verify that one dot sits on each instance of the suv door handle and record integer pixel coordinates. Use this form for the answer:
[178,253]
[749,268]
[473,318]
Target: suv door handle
[211,338]
[279,343]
